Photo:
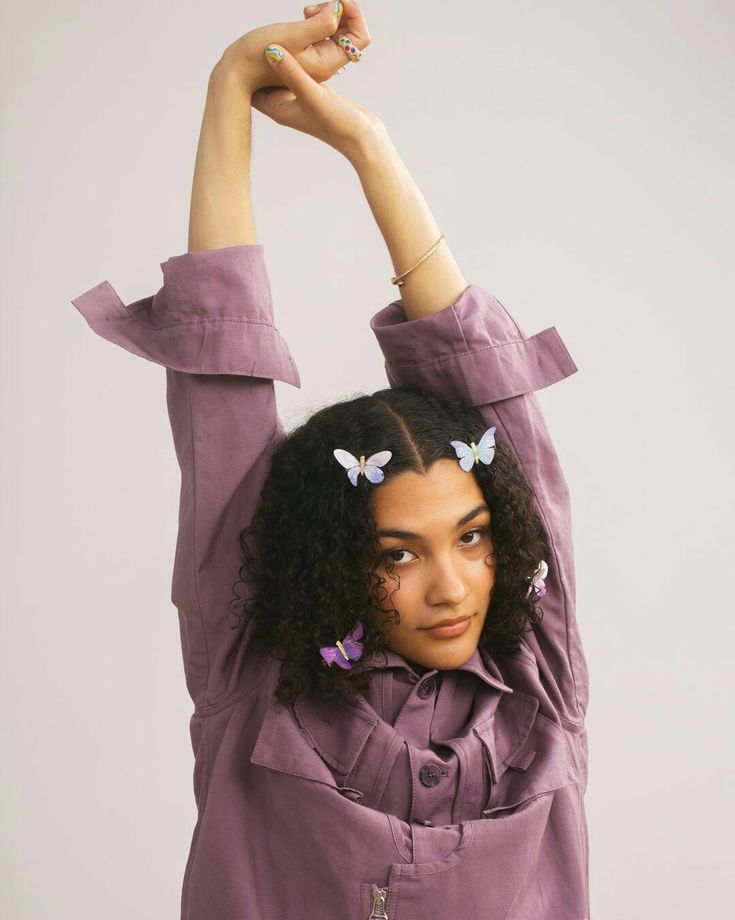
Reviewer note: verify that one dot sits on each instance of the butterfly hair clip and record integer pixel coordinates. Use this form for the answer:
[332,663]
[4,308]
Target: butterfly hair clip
[470,454]
[349,649]
[369,468]
[537,580]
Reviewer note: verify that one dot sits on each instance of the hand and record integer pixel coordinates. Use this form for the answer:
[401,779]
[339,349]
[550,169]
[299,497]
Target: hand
[308,40]
[316,109]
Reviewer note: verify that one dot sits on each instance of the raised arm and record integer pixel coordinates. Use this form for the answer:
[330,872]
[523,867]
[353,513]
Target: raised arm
[457,339]
[211,326]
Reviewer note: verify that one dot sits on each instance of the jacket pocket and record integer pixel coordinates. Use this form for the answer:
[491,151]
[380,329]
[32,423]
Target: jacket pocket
[313,741]
[282,745]
[506,733]
[528,761]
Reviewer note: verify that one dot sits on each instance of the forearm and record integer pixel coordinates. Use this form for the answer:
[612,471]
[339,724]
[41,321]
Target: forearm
[409,230]
[221,211]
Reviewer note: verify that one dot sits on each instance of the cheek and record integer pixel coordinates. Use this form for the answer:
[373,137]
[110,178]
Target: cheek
[406,599]
[409,600]
[489,562]
[480,581]
[482,566]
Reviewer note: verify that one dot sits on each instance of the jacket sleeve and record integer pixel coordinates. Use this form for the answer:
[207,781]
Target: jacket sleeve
[474,350]
[211,326]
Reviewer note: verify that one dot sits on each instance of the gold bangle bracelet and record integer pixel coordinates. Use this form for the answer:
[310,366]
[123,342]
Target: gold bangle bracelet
[396,279]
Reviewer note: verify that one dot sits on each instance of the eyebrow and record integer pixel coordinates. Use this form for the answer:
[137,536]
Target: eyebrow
[410,535]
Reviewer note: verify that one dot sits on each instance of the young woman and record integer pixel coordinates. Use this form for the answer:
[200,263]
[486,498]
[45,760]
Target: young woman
[387,723]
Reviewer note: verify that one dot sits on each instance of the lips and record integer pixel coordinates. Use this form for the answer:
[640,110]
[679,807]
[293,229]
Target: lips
[450,621]
[447,629]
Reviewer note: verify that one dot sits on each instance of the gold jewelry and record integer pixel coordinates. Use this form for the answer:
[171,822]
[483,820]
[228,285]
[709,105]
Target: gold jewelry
[396,278]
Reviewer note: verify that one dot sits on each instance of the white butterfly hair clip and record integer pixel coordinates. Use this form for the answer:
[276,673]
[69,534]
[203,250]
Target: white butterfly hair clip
[537,580]
[470,454]
[369,468]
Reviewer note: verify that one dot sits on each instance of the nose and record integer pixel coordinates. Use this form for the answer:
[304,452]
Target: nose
[446,585]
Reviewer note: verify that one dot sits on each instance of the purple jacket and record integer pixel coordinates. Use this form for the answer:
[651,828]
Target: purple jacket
[450,794]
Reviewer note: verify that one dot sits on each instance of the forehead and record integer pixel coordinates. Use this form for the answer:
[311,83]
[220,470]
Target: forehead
[438,496]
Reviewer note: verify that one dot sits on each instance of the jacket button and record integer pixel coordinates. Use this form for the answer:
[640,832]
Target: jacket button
[429,774]
[427,688]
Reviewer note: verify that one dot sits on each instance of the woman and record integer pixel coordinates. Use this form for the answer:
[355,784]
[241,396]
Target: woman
[386,722]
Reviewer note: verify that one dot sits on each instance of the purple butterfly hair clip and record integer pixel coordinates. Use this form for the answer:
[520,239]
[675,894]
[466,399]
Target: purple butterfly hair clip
[470,454]
[349,649]
[369,468]
[537,580]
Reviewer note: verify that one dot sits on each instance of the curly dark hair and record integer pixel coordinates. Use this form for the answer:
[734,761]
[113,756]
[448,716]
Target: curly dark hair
[311,570]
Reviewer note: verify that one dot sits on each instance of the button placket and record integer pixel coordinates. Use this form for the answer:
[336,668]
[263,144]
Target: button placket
[430,803]
[430,775]
[415,718]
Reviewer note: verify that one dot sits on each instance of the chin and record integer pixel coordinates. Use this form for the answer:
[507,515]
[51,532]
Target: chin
[448,658]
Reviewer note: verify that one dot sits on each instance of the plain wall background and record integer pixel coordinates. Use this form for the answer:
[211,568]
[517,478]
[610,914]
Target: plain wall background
[579,158]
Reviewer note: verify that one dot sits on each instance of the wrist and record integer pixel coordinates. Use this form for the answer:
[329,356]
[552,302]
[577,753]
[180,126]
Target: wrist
[231,78]
[370,148]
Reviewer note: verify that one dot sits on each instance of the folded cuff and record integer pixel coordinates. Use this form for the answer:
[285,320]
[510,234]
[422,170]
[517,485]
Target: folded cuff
[213,315]
[472,349]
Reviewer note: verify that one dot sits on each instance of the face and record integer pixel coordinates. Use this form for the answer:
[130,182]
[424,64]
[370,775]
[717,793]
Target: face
[436,529]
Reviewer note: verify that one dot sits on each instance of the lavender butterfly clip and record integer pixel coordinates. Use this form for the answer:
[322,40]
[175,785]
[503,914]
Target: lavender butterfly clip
[370,468]
[348,649]
[537,580]
[472,453]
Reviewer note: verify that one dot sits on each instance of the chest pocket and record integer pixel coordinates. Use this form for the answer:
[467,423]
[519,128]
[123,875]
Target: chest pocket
[313,741]
[527,755]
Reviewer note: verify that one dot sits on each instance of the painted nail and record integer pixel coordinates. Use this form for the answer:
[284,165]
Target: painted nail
[274,54]
[338,7]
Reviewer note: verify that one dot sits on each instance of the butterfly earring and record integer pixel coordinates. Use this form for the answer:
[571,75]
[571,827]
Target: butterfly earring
[349,649]
[470,454]
[369,468]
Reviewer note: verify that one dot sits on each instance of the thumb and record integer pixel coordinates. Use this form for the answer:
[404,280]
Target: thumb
[292,73]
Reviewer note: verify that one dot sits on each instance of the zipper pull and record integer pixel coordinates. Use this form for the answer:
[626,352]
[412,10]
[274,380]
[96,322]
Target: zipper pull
[380,896]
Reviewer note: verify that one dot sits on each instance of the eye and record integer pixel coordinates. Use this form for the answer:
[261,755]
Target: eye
[391,554]
[480,531]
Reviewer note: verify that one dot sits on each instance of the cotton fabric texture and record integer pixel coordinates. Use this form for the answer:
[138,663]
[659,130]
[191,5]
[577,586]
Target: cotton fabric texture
[458,793]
